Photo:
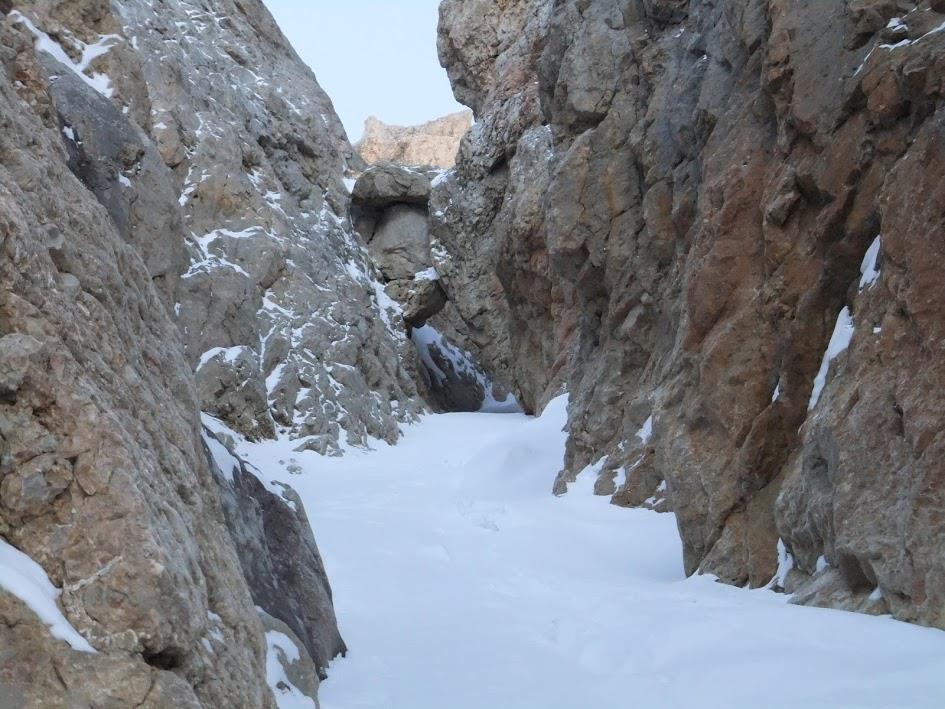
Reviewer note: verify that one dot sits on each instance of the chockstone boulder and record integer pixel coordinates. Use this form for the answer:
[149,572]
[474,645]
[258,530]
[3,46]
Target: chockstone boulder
[390,211]
[715,224]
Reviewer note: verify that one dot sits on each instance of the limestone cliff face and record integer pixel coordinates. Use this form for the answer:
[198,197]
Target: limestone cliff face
[174,239]
[720,224]
[242,154]
[433,144]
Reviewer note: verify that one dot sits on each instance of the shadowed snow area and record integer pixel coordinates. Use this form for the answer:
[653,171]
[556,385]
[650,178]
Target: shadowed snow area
[461,582]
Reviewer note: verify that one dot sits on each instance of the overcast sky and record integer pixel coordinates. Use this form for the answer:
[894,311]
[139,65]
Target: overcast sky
[373,57]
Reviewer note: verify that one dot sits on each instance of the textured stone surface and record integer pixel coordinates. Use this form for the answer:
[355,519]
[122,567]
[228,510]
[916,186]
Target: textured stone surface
[279,557]
[157,218]
[489,240]
[400,245]
[390,207]
[39,672]
[249,171]
[390,211]
[699,184]
[294,662]
[103,482]
[433,144]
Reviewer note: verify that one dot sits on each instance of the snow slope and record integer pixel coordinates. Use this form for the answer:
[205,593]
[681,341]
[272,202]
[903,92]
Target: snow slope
[462,583]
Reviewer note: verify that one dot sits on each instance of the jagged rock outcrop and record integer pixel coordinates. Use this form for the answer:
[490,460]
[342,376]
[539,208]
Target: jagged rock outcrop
[675,207]
[164,208]
[278,290]
[433,144]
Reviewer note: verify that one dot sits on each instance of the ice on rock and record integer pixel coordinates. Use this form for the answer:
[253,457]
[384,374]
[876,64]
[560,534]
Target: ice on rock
[279,650]
[839,342]
[646,431]
[868,271]
[90,52]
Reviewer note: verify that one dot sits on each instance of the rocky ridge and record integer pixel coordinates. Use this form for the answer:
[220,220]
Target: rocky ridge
[432,144]
[719,226]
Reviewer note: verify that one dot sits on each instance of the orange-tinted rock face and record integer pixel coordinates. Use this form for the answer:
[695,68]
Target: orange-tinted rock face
[433,144]
[670,205]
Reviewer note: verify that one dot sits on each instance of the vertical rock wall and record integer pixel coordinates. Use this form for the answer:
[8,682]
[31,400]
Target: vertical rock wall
[676,207]
[174,239]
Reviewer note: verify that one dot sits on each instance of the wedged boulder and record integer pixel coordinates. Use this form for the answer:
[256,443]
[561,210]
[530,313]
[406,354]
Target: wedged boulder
[391,210]
[387,184]
[421,297]
[400,244]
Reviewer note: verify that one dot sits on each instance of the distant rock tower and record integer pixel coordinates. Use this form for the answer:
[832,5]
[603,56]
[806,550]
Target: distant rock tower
[432,144]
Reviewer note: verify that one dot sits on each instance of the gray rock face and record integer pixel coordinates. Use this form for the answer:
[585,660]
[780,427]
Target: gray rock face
[299,675]
[39,672]
[102,481]
[667,205]
[251,173]
[278,554]
[391,210]
[400,245]
[164,208]
[487,213]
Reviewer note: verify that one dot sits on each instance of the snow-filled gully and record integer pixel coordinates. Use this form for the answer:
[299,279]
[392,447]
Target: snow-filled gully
[461,582]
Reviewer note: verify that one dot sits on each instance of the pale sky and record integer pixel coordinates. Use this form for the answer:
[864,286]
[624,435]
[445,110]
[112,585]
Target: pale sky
[373,57]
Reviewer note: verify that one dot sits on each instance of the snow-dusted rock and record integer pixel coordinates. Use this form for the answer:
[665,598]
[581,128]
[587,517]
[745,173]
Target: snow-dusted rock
[278,554]
[668,205]
[390,208]
[167,207]
[102,480]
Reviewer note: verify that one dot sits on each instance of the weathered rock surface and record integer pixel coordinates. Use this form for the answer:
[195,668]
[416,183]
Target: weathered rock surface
[299,679]
[39,672]
[390,210]
[433,144]
[390,207]
[251,173]
[103,481]
[165,208]
[277,551]
[668,205]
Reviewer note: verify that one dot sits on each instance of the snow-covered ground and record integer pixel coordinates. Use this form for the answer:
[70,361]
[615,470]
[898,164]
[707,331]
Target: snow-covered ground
[461,582]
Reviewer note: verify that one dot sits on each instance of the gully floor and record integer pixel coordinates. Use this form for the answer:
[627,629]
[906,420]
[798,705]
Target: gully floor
[461,582]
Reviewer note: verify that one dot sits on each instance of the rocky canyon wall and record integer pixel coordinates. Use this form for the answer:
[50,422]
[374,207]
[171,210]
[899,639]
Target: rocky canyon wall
[173,220]
[720,226]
